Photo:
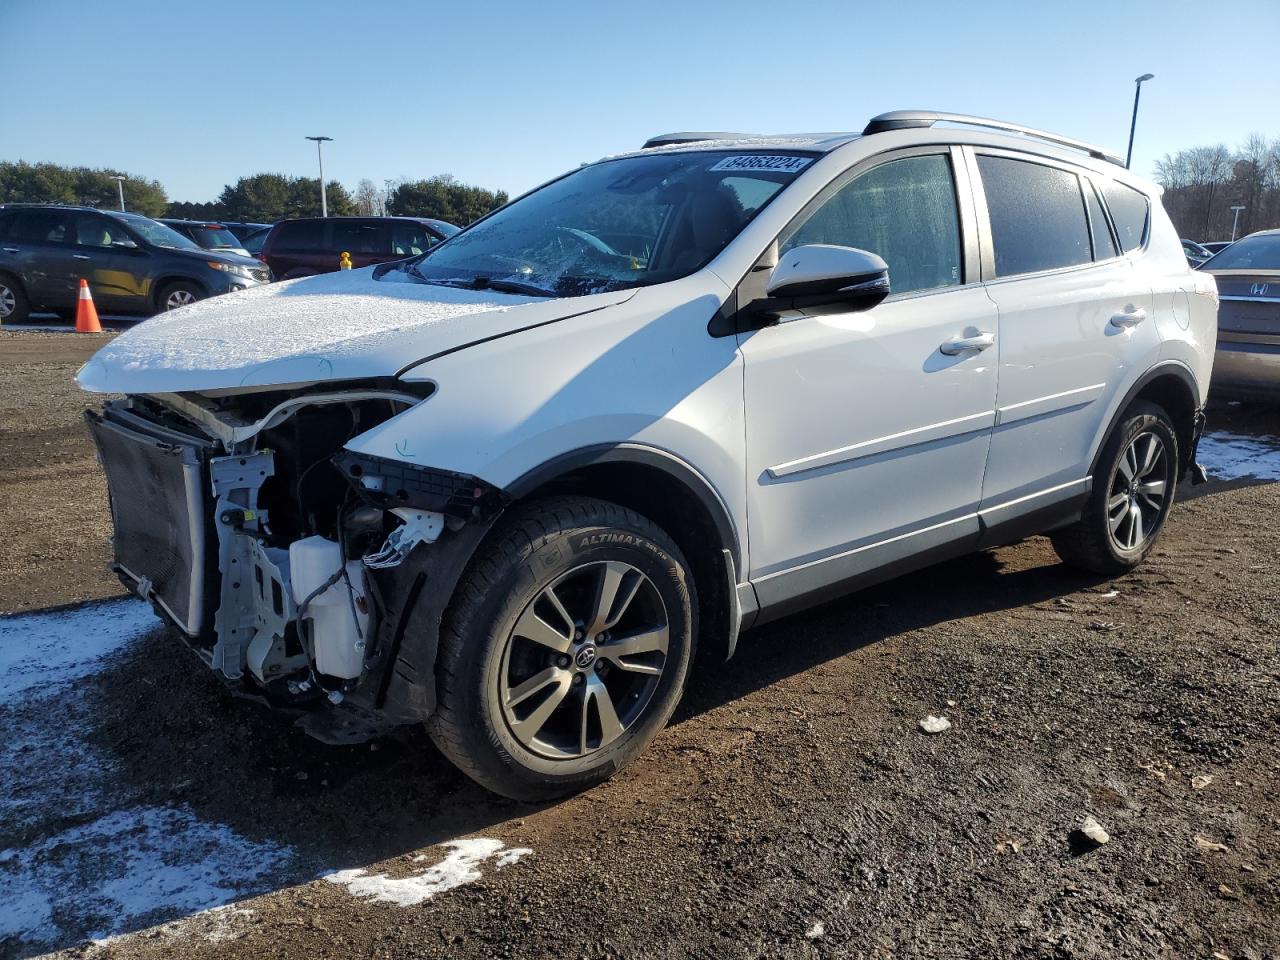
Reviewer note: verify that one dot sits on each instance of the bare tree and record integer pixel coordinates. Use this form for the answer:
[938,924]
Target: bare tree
[1172,172]
[369,199]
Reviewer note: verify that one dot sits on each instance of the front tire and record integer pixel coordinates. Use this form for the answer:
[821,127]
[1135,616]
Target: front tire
[180,293]
[565,650]
[1133,489]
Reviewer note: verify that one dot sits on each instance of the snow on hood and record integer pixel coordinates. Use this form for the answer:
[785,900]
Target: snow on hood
[337,326]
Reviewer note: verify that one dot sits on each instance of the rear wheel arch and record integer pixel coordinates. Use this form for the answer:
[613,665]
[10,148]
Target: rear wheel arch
[1172,387]
[21,300]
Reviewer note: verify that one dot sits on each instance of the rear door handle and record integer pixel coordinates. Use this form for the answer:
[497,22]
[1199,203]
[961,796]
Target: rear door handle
[81,256]
[1128,318]
[958,345]
[10,249]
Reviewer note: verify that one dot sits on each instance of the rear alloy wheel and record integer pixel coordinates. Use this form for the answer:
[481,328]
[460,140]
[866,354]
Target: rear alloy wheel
[177,295]
[1133,488]
[565,650]
[14,307]
[1135,503]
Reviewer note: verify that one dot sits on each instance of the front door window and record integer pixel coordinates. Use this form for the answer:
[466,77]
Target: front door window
[905,211]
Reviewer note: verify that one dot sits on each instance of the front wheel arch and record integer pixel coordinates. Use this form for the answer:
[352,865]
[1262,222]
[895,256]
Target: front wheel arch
[679,499]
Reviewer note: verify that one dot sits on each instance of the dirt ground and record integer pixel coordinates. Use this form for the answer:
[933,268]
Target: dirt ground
[794,808]
[53,506]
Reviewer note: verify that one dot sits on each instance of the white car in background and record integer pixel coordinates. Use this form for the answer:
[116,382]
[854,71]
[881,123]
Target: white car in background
[505,488]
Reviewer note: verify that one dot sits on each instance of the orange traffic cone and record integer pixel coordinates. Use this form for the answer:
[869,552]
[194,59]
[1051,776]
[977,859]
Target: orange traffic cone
[86,312]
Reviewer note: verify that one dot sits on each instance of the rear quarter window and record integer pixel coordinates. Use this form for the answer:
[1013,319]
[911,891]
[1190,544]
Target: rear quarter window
[1130,212]
[1037,216]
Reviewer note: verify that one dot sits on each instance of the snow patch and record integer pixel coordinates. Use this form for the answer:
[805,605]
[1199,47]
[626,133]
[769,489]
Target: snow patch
[120,865]
[1228,456]
[42,651]
[125,866]
[460,866]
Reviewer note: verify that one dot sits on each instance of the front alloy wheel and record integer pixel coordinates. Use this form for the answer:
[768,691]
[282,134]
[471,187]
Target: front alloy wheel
[584,659]
[179,297]
[565,649]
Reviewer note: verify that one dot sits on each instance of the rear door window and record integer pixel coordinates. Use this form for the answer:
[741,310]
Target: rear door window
[304,236]
[41,226]
[1037,216]
[1130,212]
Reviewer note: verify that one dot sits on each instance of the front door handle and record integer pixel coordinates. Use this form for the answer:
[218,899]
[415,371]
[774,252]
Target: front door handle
[81,256]
[958,345]
[1128,317]
[10,249]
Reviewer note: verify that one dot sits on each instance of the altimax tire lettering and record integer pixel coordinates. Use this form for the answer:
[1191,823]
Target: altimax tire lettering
[596,539]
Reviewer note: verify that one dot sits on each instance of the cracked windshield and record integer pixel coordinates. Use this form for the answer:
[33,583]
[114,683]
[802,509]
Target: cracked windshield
[621,223]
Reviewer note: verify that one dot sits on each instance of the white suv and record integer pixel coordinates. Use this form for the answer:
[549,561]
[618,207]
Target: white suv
[505,488]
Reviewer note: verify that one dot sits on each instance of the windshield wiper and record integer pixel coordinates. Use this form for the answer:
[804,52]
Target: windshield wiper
[483,283]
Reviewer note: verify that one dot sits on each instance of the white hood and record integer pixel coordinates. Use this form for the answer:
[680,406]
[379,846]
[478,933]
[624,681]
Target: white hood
[338,326]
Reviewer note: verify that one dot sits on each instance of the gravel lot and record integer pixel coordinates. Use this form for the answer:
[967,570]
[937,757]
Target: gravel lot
[794,808]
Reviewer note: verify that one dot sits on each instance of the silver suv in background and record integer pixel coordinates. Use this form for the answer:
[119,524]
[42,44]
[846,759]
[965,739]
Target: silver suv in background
[1248,358]
[505,487]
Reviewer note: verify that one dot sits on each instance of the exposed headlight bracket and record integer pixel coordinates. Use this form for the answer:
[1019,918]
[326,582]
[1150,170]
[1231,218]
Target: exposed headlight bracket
[420,526]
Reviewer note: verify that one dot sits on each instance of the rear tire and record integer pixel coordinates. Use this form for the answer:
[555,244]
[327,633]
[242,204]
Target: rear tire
[14,305]
[1133,489]
[180,293]
[565,649]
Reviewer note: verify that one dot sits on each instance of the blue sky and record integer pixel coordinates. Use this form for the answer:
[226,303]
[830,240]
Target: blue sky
[506,95]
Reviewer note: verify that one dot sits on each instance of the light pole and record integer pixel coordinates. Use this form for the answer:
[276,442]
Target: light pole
[320,141]
[386,196]
[1137,92]
[1235,220]
[120,179]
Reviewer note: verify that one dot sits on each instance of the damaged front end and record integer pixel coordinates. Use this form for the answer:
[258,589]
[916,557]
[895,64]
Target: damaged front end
[295,568]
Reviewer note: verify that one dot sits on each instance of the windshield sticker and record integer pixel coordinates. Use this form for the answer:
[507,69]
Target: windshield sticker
[773,163]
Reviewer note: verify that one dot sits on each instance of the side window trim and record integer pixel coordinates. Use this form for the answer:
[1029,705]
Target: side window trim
[1087,183]
[982,219]
[986,240]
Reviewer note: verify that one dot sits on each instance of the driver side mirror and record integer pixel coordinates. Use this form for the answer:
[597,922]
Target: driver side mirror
[821,274]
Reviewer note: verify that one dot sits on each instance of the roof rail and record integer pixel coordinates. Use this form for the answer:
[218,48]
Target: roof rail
[670,139]
[909,119]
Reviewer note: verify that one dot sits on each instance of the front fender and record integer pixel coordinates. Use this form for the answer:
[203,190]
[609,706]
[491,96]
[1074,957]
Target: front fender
[644,372]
